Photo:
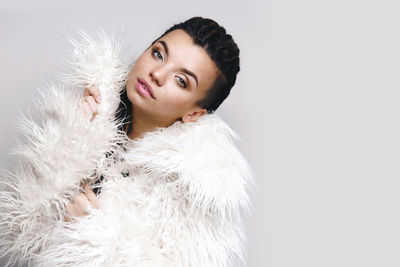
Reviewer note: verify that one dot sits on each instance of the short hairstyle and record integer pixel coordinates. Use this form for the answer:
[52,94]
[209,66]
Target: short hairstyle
[221,48]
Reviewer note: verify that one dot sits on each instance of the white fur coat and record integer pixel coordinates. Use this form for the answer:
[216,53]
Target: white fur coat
[171,198]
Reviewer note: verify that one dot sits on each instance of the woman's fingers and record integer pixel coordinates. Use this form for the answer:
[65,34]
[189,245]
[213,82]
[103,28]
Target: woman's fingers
[78,205]
[89,106]
[91,98]
[91,196]
[93,106]
[93,91]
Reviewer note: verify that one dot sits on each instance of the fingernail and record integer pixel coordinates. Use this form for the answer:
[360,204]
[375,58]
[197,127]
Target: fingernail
[98,98]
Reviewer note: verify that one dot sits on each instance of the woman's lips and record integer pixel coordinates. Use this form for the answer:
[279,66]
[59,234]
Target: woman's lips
[144,88]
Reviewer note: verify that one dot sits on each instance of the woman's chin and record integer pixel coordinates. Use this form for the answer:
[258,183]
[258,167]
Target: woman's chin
[132,94]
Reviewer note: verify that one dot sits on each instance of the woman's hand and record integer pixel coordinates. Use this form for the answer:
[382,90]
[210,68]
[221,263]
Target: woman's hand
[91,98]
[80,203]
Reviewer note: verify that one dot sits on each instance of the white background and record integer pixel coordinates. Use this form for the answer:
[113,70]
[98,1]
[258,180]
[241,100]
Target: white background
[316,104]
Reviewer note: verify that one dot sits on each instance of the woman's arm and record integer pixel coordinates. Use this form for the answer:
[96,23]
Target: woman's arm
[56,155]
[61,150]
[50,165]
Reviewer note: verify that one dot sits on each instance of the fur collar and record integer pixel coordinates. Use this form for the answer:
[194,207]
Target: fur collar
[201,153]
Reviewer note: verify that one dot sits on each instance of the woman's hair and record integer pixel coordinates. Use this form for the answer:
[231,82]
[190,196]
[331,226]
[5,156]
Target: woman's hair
[222,50]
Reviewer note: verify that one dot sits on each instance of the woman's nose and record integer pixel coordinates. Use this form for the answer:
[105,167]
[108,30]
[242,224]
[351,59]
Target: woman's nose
[158,74]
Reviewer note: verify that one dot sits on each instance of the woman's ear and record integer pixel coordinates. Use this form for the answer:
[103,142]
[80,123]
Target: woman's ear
[194,115]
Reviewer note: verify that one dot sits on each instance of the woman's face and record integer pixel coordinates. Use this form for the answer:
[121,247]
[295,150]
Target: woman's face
[178,72]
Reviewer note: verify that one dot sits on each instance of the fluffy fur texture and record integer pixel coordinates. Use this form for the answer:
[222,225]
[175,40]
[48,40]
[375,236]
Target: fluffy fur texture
[179,205]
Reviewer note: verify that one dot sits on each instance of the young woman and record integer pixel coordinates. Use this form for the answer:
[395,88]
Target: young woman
[172,182]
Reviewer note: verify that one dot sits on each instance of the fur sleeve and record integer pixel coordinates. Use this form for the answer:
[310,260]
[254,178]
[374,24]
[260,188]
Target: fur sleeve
[57,153]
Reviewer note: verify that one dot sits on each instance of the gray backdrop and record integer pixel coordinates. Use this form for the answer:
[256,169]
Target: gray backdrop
[316,104]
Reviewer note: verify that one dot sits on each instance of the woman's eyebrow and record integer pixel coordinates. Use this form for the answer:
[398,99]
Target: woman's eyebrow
[164,44]
[194,76]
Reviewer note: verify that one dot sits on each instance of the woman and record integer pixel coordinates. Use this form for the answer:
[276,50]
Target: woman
[172,182]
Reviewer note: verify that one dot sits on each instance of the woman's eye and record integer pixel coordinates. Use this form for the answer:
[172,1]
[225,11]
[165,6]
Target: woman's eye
[181,82]
[157,54]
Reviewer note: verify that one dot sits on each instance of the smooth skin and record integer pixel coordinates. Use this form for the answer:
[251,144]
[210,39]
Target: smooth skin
[166,66]
[179,73]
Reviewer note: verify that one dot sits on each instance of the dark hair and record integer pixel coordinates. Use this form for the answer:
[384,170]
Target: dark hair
[222,50]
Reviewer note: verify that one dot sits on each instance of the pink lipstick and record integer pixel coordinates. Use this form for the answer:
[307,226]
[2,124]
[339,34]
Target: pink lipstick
[144,88]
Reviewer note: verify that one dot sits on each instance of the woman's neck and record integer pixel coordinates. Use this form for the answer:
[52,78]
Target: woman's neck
[139,127]
[142,124]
